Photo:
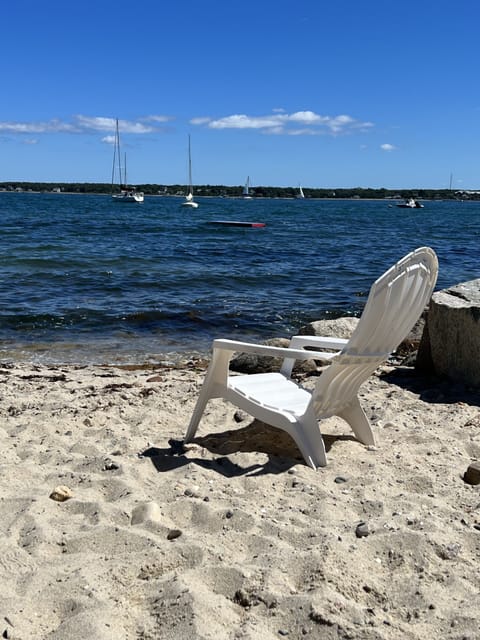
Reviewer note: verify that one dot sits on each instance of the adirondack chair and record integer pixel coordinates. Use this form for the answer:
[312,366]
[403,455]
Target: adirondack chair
[395,302]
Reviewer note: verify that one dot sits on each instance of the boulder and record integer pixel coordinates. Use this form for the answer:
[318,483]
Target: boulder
[450,345]
[344,327]
[253,363]
[339,328]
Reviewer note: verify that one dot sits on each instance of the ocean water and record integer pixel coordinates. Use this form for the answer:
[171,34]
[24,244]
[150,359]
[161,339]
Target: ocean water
[86,280]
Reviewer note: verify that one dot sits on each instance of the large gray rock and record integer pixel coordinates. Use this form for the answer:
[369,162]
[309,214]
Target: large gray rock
[345,326]
[339,328]
[253,363]
[450,345]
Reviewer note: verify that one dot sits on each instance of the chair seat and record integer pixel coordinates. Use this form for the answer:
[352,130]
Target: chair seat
[272,391]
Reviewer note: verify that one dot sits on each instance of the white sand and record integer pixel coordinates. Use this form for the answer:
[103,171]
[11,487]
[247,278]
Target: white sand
[267,546]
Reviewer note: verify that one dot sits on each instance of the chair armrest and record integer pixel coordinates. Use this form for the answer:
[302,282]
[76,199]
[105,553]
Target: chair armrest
[319,342]
[266,350]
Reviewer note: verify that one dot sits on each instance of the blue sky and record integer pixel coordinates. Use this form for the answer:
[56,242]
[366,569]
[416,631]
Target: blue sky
[324,94]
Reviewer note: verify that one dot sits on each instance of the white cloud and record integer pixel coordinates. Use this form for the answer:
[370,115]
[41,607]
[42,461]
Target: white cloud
[80,124]
[157,119]
[307,117]
[108,124]
[52,126]
[200,121]
[241,121]
[387,147]
[109,139]
[281,123]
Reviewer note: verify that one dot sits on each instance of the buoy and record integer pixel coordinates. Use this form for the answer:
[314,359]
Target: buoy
[237,223]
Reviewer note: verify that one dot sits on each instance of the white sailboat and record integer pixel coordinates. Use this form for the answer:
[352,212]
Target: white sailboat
[300,195]
[246,194]
[189,201]
[127,194]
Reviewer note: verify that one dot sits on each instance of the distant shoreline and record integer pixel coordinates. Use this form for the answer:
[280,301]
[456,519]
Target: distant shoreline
[236,191]
[201,196]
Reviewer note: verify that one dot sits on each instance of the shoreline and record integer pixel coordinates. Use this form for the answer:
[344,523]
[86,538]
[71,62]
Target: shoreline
[240,197]
[233,536]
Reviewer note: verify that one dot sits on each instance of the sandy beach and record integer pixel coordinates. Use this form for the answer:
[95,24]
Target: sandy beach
[234,537]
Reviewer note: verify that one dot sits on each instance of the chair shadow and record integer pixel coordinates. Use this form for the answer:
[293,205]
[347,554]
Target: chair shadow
[257,437]
[430,388]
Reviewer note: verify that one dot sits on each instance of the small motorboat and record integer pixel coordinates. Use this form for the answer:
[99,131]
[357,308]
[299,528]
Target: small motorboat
[410,203]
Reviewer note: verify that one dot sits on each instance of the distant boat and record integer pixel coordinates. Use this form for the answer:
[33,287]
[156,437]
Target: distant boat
[410,203]
[300,195]
[246,194]
[189,201]
[127,194]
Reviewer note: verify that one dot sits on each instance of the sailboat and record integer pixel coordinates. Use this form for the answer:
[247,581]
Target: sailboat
[300,195]
[189,201]
[127,194]
[246,195]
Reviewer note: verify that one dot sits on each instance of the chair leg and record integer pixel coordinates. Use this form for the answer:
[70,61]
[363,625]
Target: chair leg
[203,398]
[358,421]
[216,379]
[308,437]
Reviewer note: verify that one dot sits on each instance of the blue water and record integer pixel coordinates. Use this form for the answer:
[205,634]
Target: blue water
[87,280]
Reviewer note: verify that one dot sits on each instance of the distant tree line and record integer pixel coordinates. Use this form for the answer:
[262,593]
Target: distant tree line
[236,191]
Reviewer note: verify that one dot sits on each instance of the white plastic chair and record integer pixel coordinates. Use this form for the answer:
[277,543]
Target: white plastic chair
[395,302]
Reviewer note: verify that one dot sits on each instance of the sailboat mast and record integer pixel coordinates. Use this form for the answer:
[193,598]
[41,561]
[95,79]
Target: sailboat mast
[189,166]
[117,142]
[114,155]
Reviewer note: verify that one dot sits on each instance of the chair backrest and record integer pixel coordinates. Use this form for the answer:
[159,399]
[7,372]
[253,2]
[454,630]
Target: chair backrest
[395,302]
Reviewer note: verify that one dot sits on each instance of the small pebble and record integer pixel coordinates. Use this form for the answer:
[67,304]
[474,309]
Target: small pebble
[192,492]
[61,493]
[340,479]
[173,533]
[472,474]
[362,530]
[240,416]
[111,465]
[449,551]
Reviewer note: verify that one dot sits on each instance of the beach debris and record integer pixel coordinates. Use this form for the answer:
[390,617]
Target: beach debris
[472,474]
[110,465]
[340,479]
[362,530]
[61,493]
[192,492]
[448,551]
[173,534]
[146,512]
[240,416]
[156,378]
[192,447]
